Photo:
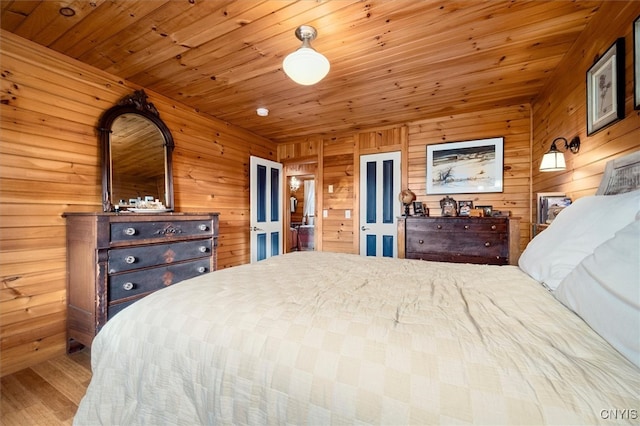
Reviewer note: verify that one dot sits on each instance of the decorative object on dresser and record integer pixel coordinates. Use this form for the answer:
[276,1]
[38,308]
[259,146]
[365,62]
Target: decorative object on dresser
[464,207]
[116,259]
[462,239]
[467,167]
[406,197]
[449,206]
[487,211]
[419,209]
[605,89]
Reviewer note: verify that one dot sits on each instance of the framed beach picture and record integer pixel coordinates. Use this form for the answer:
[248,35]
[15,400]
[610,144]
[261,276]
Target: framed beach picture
[605,89]
[466,167]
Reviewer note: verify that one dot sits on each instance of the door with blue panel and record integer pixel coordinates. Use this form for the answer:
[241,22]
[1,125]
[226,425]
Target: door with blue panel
[379,204]
[266,208]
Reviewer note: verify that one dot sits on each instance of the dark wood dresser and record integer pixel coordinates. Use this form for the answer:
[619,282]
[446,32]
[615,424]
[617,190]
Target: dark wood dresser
[114,260]
[486,240]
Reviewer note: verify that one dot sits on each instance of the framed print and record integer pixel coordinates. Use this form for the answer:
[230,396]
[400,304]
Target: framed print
[636,63]
[466,167]
[487,211]
[605,89]
[418,208]
[449,206]
[464,208]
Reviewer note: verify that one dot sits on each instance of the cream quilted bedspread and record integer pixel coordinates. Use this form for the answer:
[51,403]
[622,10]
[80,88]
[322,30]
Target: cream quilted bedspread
[323,338]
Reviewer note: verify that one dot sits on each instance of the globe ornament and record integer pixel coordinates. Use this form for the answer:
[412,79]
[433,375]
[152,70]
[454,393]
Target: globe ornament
[406,198]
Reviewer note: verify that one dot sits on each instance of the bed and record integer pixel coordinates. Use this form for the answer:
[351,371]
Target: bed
[356,340]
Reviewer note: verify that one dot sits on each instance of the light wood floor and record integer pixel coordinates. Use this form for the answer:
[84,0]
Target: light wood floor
[46,394]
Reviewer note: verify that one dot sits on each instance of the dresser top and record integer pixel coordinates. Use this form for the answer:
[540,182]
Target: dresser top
[131,214]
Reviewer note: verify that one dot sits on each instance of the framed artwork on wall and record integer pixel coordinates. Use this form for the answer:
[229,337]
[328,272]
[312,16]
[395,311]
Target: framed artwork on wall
[605,89]
[466,167]
[636,63]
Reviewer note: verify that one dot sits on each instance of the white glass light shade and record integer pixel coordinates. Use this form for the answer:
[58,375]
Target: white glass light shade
[306,66]
[553,161]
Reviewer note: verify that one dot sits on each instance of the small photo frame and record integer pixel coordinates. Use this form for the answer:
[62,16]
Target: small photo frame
[418,208]
[449,206]
[487,210]
[636,63]
[464,208]
[605,89]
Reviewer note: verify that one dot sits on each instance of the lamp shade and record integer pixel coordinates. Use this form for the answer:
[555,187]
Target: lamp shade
[305,66]
[553,161]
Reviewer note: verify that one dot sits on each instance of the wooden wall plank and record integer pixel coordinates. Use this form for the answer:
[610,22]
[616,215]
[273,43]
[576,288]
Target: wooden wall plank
[560,109]
[50,164]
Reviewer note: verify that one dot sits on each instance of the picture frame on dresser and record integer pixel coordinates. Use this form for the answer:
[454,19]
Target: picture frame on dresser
[636,63]
[464,207]
[418,208]
[605,89]
[465,167]
[487,211]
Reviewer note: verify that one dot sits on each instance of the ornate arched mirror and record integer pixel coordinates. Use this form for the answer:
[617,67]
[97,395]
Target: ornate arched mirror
[136,155]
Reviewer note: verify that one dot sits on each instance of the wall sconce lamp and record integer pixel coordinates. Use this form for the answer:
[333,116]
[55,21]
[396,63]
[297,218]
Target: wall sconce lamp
[294,184]
[306,66]
[553,160]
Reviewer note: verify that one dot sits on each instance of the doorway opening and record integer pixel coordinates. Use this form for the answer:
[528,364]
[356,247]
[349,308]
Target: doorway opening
[301,217]
[302,212]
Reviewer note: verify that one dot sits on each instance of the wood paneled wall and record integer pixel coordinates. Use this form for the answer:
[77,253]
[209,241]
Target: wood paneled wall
[560,109]
[513,124]
[340,166]
[50,164]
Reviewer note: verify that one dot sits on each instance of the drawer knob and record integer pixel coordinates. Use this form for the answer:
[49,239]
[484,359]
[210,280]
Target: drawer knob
[203,249]
[493,227]
[420,241]
[202,269]
[127,286]
[487,244]
[203,227]
[439,226]
[466,227]
[130,260]
[130,231]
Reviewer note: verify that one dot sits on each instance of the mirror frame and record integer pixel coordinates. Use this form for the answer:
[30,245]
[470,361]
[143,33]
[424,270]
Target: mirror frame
[135,103]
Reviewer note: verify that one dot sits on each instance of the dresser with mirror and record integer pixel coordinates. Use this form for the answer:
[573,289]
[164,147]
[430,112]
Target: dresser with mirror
[138,243]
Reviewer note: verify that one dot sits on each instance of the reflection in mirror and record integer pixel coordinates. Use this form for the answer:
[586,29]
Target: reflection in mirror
[136,155]
[137,160]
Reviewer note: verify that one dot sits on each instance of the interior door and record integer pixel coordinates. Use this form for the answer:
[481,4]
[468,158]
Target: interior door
[379,204]
[266,188]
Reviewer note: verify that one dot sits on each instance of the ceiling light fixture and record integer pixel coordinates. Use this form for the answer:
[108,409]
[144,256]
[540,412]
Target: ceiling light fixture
[262,112]
[306,66]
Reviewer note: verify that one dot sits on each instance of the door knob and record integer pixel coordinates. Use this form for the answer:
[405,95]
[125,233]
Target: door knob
[364,228]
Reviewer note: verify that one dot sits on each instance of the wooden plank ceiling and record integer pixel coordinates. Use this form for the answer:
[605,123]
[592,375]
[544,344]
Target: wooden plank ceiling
[392,61]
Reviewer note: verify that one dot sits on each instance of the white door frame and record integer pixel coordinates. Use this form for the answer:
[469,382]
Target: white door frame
[379,220]
[266,208]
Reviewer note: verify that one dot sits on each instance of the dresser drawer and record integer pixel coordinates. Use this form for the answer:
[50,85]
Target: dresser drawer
[130,258]
[484,244]
[134,231]
[457,225]
[130,284]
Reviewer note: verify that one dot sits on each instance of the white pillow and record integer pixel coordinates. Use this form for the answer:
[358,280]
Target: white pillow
[604,289]
[575,233]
